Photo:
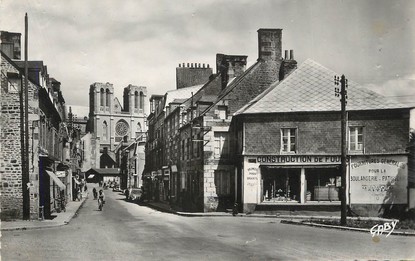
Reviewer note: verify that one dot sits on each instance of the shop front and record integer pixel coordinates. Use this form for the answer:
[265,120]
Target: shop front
[291,179]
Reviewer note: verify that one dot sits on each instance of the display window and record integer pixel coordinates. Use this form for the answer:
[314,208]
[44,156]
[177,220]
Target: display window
[280,185]
[322,184]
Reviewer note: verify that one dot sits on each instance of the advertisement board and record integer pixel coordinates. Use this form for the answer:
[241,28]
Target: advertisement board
[378,180]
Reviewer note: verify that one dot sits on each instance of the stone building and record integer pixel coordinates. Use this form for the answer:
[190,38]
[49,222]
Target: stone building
[110,122]
[49,180]
[10,143]
[196,145]
[162,146]
[288,148]
[208,166]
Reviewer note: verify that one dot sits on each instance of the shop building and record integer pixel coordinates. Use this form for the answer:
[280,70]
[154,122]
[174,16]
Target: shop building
[289,146]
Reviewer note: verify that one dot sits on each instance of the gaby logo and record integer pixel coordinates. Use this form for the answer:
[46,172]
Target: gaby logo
[387,227]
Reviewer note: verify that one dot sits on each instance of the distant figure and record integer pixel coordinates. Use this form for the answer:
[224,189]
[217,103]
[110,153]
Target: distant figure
[127,194]
[94,191]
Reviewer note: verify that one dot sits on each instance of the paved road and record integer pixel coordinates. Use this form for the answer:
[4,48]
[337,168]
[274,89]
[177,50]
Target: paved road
[125,231]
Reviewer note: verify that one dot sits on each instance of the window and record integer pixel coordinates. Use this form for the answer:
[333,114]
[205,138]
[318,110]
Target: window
[288,140]
[104,131]
[356,138]
[108,98]
[221,145]
[136,100]
[139,130]
[141,100]
[102,97]
[222,111]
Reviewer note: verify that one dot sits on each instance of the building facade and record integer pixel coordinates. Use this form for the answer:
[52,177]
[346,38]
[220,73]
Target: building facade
[194,147]
[49,180]
[110,123]
[289,148]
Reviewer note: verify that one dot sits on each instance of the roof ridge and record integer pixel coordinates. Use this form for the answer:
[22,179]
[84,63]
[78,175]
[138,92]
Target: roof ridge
[230,87]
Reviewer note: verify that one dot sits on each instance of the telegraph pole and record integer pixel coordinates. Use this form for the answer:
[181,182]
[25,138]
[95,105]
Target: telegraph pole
[342,93]
[25,160]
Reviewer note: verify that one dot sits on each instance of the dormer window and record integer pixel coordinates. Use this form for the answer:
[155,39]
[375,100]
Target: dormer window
[222,112]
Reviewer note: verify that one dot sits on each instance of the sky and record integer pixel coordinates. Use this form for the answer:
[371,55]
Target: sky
[139,42]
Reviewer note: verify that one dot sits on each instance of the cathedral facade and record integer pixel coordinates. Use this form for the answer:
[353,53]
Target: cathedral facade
[111,122]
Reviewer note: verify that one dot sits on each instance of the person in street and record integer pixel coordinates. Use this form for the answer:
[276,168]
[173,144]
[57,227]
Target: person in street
[127,194]
[94,191]
[101,199]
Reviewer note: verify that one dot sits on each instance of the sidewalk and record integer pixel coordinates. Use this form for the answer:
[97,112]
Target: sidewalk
[61,218]
[285,219]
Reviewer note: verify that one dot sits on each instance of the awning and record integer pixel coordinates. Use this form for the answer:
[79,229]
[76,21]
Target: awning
[56,179]
[76,181]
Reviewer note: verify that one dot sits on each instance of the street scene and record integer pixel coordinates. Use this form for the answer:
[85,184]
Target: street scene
[128,231]
[200,130]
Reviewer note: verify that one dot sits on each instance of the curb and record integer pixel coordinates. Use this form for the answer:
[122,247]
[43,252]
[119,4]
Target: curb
[65,222]
[365,230]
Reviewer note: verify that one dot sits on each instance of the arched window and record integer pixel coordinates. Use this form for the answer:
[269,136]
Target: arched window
[108,98]
[136,100]
[139,130]
[102,97]
[104,131]
[141,100]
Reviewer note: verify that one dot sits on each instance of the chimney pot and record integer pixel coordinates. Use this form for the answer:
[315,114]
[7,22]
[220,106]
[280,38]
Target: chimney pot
[180,65]
[199,65]
[203,65]
[291,54]
[286,55]
[191,65]
[183,65]
[207,65]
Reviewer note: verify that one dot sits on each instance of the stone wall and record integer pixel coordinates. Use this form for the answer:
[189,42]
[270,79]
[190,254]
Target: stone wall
[10,152]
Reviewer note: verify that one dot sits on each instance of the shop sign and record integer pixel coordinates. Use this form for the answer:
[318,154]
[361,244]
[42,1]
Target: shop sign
[60,174]
[252,177]
[298,159]
[378,180]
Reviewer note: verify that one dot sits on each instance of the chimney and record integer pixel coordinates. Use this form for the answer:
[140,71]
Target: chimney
[287,65]
[269,44]
[230,66]
[192,75]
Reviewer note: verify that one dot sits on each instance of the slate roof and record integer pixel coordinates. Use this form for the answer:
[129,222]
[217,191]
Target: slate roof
[182,93]
[311,88]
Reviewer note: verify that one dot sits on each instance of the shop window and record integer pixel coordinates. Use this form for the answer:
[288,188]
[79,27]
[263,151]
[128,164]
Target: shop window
[221,145]
[289,140]
[222,183]
[356,138]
